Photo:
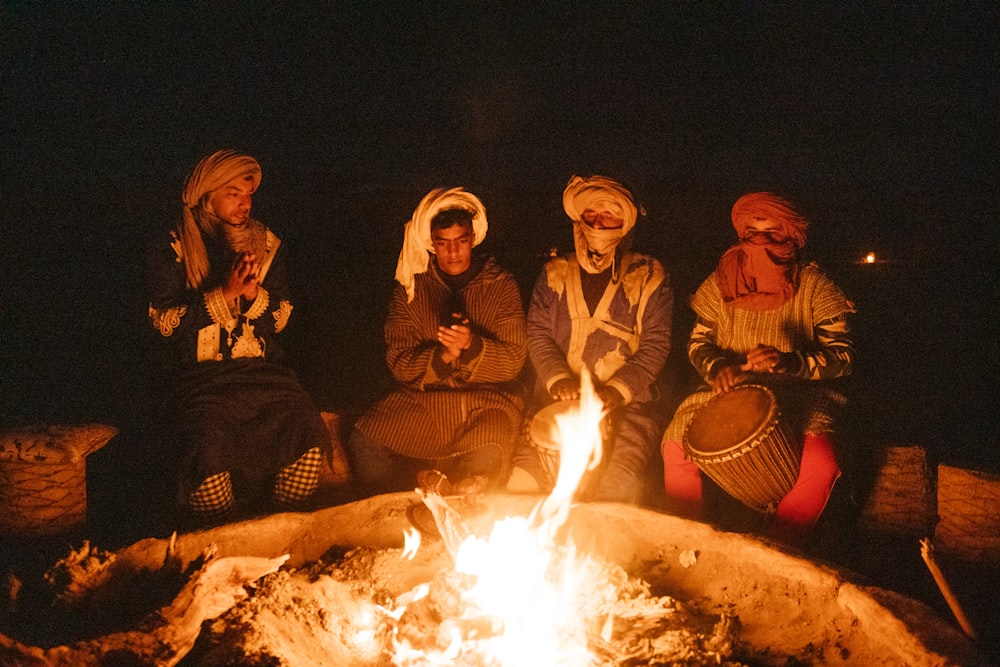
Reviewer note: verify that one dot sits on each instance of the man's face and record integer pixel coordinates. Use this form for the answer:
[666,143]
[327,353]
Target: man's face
[453,249]
[601,219]
[231,203]
[761,230]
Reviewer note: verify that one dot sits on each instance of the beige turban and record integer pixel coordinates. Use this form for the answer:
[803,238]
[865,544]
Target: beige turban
[595,247]
[211,174]
[413,258]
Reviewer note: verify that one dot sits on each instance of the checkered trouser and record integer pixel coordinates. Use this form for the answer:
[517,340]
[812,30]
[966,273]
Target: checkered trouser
[298,481]
[213,499]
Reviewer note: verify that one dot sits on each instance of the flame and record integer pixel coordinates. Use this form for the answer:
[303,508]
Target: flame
[527,587]
[411,543]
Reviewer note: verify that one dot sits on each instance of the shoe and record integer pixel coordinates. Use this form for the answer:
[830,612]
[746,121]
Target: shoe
[471,486]
[434,480]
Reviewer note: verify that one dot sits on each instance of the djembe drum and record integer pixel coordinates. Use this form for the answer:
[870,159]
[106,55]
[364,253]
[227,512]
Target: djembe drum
[543,435]
[739,441]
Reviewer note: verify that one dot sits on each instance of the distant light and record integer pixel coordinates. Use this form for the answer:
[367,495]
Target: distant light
[869,258]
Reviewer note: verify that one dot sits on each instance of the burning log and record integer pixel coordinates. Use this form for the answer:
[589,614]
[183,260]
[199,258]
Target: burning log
[623,624]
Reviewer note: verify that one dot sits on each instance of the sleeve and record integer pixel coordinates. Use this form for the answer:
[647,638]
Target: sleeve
[412,357]
[499,346]
[705,354]
[272,308]
[656,317]
[544,311]
[176,313]
[832,352]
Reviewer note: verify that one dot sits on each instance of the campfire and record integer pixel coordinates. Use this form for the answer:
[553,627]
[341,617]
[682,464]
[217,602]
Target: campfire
[523,596]
[513,580]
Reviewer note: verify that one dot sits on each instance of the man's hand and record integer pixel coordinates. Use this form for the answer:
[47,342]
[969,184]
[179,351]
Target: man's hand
[243,278]
[764,359]
[455,338]
[761,359]
[727,378]
[565,390]
[611,398]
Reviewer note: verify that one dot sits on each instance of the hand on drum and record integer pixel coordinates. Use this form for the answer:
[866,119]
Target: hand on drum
[611,398]
[761,359]
[764,359]
[728,378]
[565,390]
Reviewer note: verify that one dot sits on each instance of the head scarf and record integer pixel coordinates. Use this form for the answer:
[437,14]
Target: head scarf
[417,243]
[760,273]
[197,218]
[595,248]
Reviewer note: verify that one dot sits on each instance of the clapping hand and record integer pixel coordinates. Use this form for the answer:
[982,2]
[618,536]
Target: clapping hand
[243,278]
[455,337]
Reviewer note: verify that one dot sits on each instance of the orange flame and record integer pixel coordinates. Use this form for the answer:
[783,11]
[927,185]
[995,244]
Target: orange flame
[538,609]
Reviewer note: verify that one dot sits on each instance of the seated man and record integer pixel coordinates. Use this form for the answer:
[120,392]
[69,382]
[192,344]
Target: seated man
[456,345]
[609,310]
[235,417]
[766,317]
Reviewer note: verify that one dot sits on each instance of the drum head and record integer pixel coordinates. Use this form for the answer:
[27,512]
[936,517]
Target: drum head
[544,431]
[730,420]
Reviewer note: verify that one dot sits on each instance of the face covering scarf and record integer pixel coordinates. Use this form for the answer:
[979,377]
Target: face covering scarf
[595,248]
[761,271]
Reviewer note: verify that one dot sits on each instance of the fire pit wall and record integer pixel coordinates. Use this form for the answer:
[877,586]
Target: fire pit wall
[788,606]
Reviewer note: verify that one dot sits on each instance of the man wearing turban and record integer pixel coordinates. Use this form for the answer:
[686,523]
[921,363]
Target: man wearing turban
[766,317]
[606,310]
[455,344]
[237,425]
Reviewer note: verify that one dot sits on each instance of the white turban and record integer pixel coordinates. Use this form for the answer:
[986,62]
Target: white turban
[413,258]
[595,247]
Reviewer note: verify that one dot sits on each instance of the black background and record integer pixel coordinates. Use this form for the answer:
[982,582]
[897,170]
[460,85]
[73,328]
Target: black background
[879,119]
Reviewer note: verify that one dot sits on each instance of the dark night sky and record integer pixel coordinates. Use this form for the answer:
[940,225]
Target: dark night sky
[879,119]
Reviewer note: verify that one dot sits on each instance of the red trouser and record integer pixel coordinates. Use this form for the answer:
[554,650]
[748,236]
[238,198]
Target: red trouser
[797,512]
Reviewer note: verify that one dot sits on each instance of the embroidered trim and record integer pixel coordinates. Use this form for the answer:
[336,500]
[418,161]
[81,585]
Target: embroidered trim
[166,320]
[281,315]
[259,305]
[247,345]
[218,309]
[176,245]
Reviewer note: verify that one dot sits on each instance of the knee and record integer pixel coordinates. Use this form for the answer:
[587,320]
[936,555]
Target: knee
[673,455]
[819,459]
[213,499]
[297,482]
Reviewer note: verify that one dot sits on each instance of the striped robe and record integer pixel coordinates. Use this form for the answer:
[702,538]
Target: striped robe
[812,326]
[429,416]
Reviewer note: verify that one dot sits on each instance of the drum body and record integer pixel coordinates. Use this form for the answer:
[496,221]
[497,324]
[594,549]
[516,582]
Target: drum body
[739,440]
[543,434]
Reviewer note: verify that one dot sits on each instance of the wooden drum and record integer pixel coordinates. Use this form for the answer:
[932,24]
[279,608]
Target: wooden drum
[739,441]
[543,434]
